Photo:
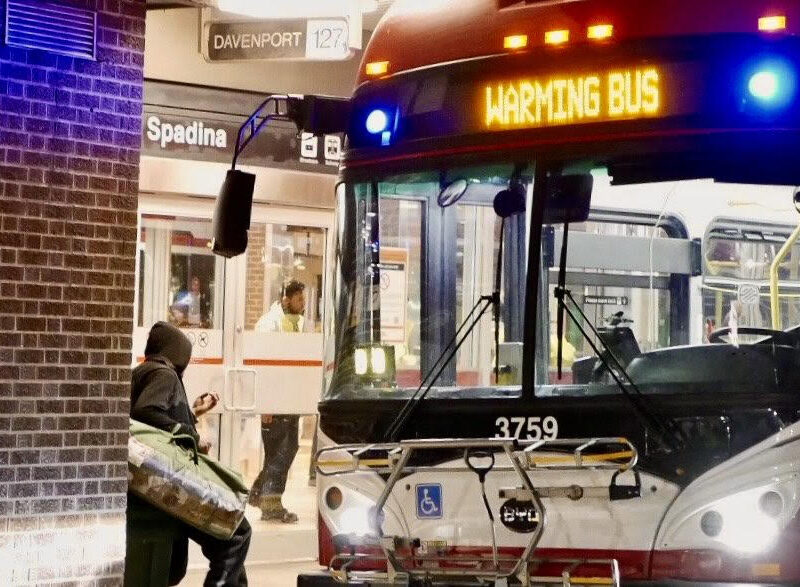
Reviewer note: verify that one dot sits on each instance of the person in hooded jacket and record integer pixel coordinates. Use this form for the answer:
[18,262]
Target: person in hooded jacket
[158,398]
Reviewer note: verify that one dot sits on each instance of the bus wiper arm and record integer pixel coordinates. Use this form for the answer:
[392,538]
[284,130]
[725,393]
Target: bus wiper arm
[444,359]
[666,431]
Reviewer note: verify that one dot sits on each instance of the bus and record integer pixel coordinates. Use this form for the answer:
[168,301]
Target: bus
[562,344]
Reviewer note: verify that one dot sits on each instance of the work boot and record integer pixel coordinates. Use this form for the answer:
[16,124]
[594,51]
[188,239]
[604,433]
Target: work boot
[272,510]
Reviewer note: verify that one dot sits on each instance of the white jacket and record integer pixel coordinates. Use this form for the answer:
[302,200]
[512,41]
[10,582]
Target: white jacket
[275,320]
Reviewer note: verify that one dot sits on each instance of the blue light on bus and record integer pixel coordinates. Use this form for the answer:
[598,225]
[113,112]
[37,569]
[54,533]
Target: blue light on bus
[377,122]
[772,84]
[764,85]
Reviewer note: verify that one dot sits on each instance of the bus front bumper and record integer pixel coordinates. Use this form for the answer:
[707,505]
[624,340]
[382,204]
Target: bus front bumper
[324,579]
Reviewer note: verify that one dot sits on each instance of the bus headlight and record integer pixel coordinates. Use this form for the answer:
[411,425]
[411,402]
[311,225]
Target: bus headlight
[748,521]
[744,526]
[355,520]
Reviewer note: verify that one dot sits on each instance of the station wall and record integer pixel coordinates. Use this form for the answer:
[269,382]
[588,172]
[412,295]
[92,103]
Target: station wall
[70,135]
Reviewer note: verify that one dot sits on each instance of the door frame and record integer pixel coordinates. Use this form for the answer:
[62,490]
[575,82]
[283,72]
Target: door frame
[202,208]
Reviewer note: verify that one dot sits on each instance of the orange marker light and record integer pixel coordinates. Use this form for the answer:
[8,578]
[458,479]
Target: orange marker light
[377,68]
[600,32]
[772,23]
[515,42]
[556,37]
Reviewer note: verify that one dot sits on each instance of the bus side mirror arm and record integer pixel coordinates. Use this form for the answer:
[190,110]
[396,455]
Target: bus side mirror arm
[316,114]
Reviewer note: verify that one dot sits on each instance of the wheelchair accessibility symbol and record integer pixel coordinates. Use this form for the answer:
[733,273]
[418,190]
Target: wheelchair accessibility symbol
[429,501]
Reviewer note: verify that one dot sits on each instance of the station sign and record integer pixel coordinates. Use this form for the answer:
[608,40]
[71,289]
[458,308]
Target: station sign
[592,300]
[185,135]
[310,39]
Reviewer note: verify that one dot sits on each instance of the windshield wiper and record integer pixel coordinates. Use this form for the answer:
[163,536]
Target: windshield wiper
[444,359]
[507,203]
[666,429]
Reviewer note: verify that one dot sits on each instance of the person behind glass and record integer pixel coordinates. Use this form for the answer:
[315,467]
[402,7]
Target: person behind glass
[279,433]
[189,308]
[158,398]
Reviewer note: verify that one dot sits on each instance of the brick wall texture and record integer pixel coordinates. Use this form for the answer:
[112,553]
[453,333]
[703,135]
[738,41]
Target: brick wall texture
[69,164]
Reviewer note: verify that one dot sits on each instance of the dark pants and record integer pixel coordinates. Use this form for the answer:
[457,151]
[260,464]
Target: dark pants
[280,448]
[225,557]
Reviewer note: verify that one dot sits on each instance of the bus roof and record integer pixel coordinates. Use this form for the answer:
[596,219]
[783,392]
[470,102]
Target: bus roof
[420,33]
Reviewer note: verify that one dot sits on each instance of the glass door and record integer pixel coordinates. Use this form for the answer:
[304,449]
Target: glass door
[274,381]
[255,323]
[182,282]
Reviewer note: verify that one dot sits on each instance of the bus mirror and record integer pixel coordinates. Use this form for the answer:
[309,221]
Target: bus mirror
[568,198]
[232,214]
[320,115]
[796,200]
[511,201]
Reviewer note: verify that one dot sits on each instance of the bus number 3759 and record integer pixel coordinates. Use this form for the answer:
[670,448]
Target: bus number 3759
[527,428]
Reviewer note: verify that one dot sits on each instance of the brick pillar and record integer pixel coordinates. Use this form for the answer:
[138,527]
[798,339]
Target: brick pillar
[69,163]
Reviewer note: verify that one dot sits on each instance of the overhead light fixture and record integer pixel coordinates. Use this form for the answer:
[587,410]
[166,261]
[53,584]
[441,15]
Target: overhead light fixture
[294,9]
[369,6]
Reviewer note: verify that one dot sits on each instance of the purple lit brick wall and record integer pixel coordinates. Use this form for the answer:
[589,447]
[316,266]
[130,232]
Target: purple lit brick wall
[69,165]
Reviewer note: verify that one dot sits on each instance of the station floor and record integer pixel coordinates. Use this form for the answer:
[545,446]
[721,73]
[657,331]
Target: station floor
[278,552]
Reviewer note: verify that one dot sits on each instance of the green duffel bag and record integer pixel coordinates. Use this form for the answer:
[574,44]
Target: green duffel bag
[184,483]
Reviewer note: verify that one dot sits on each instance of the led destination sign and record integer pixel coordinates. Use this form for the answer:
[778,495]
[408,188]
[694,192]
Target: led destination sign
[562,99]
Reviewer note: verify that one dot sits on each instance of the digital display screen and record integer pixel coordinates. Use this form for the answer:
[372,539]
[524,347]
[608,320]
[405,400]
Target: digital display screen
[564,99]
[540,98]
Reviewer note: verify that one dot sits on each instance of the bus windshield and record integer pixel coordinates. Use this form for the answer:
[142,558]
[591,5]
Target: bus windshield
[661,275]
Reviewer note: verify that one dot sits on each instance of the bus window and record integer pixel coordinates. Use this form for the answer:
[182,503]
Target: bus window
[637,283]
[612,297]
[420,265]
[737,256]
[400,274]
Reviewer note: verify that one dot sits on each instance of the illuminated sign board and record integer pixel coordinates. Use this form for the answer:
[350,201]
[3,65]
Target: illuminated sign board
[563,99]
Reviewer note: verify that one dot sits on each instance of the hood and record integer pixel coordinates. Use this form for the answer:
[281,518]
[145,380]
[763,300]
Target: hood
[165,340]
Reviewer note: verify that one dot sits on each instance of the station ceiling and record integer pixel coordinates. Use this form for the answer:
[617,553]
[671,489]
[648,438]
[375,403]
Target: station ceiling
[369,22]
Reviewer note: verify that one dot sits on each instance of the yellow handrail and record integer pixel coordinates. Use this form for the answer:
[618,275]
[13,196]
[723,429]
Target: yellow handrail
[774,298]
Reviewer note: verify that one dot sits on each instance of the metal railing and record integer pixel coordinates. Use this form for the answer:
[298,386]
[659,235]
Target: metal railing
[402,556]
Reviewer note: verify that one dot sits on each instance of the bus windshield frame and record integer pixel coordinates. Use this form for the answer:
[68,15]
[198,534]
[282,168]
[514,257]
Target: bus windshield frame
[535,343]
